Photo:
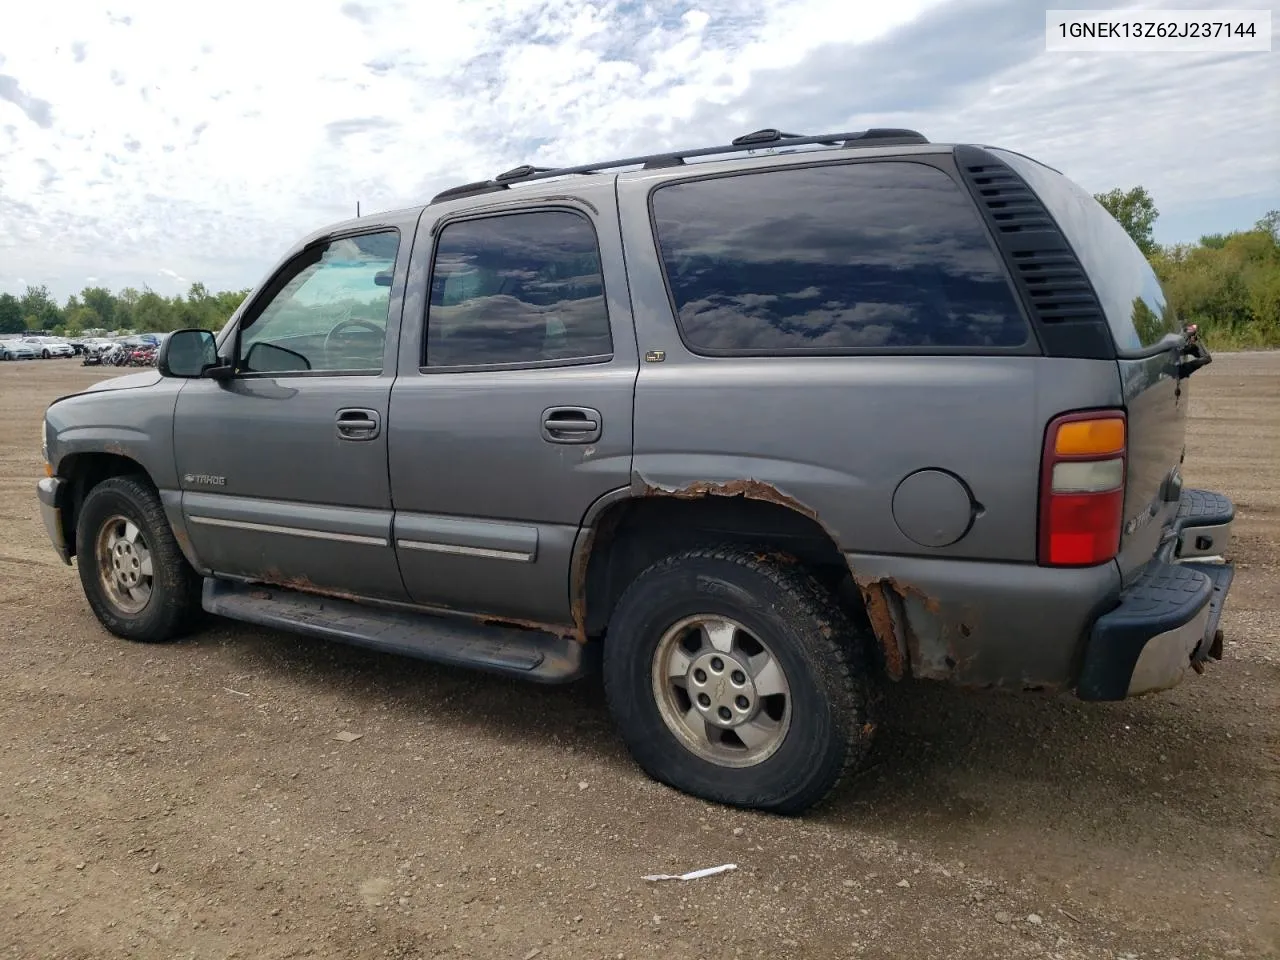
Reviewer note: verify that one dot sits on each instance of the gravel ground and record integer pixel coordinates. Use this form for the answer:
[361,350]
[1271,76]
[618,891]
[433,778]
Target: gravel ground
[191,800]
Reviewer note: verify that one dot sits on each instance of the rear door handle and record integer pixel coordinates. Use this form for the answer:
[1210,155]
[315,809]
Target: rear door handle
[571,425]
[357,423]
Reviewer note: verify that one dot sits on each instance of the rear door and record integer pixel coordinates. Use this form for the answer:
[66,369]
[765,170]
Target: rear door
[283,467]
[1148,342]
[511,414]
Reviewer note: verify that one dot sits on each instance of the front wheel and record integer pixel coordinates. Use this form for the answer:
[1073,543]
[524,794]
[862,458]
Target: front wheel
[738,679]
[134,575]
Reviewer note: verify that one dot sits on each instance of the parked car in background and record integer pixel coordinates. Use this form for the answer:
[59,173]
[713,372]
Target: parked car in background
[51,347]
[17,350]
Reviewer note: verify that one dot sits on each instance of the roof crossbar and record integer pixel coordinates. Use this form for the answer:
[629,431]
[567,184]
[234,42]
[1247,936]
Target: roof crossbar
[769,137]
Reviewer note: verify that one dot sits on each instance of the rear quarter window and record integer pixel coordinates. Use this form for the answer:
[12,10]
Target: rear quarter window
[846,258]
[1128,289]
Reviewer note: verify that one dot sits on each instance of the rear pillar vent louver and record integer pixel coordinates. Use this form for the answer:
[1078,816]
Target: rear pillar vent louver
[1053,285]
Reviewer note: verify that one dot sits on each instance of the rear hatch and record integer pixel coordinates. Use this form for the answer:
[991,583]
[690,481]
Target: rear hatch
[1149,343]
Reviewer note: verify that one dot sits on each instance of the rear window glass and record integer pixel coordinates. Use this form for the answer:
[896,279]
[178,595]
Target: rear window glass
[833,259]
[1135,305]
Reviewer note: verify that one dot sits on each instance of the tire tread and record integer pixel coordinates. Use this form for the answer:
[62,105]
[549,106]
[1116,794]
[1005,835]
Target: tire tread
[180,590]
[838,649]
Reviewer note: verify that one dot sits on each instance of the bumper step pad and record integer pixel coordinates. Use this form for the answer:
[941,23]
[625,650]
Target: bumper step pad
[1203,524]
[1167,598]
[1204,508]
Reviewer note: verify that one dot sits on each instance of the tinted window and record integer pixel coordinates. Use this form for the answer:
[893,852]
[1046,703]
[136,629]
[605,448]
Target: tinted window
[331,313]
[828,259]
[1132,299]
[518,288]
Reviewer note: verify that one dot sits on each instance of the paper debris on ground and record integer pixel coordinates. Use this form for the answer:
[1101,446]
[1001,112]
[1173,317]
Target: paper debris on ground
[694,874]
[346,736]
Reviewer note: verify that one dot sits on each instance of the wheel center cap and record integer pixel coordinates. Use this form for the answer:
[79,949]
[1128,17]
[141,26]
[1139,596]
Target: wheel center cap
[125,564]
[721,688]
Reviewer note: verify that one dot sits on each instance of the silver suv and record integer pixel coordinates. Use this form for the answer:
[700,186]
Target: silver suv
[50,347]
[753,428]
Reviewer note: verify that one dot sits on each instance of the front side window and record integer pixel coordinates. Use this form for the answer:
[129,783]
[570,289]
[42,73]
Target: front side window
[518,288]
[833,259]
[331,312]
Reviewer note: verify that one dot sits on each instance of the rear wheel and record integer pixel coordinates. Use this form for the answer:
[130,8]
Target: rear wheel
[134,575]
[738,679]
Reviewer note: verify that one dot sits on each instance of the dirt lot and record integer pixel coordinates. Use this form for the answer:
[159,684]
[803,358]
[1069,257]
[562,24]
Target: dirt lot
[191,800]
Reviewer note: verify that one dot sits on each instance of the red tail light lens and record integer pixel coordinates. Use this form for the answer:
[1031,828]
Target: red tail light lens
[1082,488]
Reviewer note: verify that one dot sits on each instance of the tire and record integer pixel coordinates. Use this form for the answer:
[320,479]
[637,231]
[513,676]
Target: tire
[173,604]
[822,732]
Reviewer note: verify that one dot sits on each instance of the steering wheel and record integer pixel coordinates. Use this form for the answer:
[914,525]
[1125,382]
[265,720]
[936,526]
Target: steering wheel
[349,322]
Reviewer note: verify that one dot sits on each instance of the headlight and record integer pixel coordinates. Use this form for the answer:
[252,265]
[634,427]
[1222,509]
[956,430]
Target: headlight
[44,443]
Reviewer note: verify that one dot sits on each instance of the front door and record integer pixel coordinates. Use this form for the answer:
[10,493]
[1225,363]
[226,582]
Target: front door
[512,412]
[283,467]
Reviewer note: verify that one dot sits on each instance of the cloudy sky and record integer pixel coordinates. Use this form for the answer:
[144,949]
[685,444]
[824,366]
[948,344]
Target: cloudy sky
[154,142]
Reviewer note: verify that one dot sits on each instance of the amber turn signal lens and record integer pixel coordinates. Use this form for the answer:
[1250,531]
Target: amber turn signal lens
[1086,438]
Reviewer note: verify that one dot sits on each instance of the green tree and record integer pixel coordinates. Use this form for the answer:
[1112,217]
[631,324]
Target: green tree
[1135,211]
[1227,283]
[11,318]
[1270,224]
[80,319]
[152,313]
[101,301]
[126,302]
[39,306]
[97,307]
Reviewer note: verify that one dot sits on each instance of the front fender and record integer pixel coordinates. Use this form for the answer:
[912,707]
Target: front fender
[134,421]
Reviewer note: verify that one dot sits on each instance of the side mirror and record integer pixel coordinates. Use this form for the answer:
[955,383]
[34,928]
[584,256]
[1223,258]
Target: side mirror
[187,354]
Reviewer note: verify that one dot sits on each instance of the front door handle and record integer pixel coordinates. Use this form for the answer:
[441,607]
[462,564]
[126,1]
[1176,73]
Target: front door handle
[357,423]
[571,425]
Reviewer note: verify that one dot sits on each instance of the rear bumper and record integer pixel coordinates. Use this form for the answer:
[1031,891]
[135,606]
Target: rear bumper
[1166,624]
[1167,621]
[49,491]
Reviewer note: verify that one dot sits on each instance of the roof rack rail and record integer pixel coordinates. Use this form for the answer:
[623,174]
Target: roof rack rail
[768,137]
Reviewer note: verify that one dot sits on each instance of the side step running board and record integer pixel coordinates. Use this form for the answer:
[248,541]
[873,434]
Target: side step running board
[529,654]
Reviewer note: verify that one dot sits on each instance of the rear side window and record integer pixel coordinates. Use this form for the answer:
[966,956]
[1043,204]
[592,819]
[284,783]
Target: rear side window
[518,288]
[1127,287]
[834,259]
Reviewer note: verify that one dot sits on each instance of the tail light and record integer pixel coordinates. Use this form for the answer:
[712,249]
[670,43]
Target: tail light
[1082,479]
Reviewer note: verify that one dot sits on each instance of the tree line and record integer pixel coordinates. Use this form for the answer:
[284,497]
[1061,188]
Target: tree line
[97,308]
[1228,284]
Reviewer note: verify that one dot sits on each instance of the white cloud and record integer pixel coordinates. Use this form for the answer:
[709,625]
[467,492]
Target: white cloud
[196,140]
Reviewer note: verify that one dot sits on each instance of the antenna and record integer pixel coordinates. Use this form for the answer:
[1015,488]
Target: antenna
[357,209]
